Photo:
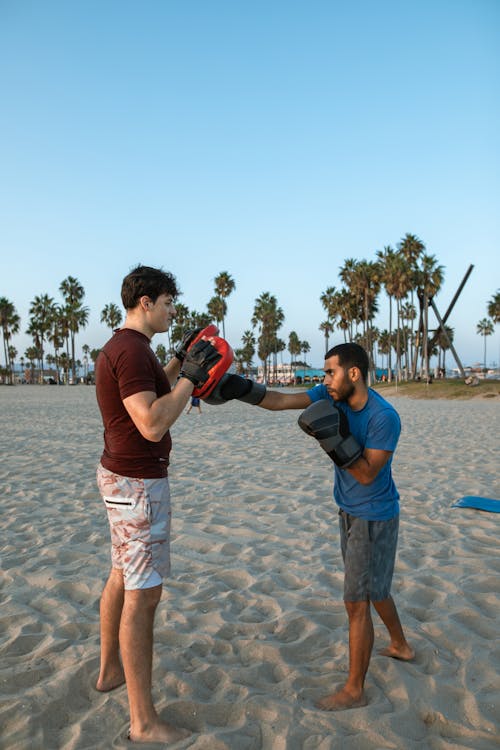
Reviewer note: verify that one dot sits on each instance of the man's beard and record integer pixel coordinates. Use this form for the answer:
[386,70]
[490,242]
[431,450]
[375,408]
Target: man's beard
[345,393]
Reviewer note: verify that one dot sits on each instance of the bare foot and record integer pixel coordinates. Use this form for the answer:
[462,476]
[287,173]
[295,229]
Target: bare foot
[341,700]
[403,652]
[110,680]
[160,731]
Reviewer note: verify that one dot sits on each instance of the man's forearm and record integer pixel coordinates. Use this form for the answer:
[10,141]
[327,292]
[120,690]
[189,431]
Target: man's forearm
[277,401]
[366,468]
[172,370]
[164,411]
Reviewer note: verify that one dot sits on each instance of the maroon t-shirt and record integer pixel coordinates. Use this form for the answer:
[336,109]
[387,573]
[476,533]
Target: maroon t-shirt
[127,365]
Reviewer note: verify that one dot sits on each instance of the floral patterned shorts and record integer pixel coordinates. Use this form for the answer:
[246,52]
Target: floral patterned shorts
[139,518]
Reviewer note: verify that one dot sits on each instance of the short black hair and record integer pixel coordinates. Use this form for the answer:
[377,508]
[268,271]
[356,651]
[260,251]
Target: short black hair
[146,281]
[351,355]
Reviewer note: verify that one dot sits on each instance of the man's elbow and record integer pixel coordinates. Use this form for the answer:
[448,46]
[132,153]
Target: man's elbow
[364,476]
[366,479]
[152,434]
[155,438]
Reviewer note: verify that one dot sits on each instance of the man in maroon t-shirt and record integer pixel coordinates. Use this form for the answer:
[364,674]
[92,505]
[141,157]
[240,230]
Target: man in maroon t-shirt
[138,405]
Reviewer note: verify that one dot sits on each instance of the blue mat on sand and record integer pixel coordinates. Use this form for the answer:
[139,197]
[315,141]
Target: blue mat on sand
[480,503]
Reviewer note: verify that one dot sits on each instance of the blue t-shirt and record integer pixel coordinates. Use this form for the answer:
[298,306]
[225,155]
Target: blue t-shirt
[376,425]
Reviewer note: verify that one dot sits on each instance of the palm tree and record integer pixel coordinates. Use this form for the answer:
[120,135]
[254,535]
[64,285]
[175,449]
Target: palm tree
[494,307]
[346,311]
[180,327]
[359,303]
[443,340]
[327,329]
[366,286]
[58,334]
[239,360]
[32,354]
[278,346]
[269,318]
[408,314]
[65,364]
[411,248]
[12,352]
[10,323]
[76,314]
[347,272]
[224,285]
[305,348]
[244,355]
[384,346]
[198,320]
[161,353]
[485,328]
[94,353]
[329,300]
[50,359]
[111,315]
[398,284]
[294,345]
[42,311]
[217,309]
[33,331]
[429,277]
[388,264]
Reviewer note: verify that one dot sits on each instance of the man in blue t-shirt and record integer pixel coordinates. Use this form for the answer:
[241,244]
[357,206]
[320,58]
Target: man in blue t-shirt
[360,431]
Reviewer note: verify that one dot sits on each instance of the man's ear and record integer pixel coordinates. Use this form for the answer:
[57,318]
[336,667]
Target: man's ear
[354,374]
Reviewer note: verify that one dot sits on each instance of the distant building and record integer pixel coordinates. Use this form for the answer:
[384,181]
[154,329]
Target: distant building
[286,374]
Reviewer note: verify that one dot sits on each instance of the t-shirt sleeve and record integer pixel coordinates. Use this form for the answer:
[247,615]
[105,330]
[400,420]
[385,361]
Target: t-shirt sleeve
[317,393]
[135,371]
[383,431]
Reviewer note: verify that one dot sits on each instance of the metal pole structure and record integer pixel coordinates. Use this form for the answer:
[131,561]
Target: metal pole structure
[448,340]
[451,306]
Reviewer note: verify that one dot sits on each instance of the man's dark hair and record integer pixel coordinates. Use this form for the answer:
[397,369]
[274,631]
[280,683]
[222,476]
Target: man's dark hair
[146,281]
[351,355]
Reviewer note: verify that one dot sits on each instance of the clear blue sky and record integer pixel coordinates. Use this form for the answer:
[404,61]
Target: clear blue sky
[272,140]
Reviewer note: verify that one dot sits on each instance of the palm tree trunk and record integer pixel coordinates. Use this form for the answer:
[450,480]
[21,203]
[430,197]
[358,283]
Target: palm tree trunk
[73,368]
[417,342]
[398,352]
[426,336]
[412,352]
[389,358]
[5,349]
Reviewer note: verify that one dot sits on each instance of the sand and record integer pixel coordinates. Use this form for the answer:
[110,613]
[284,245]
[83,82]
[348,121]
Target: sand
[251,629]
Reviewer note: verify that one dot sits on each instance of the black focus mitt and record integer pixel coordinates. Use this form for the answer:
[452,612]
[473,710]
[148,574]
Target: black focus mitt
[232,387]
[329,425]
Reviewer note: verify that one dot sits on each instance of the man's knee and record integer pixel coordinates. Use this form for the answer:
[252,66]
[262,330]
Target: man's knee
[357,610]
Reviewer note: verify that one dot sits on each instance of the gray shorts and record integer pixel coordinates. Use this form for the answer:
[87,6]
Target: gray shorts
[139,518]
[369,552]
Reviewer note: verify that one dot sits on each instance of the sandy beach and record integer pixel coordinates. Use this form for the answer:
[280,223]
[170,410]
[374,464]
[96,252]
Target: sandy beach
[251,629]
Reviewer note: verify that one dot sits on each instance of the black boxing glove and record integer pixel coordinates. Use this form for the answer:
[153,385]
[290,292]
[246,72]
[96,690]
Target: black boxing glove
[330,427]
[198,361]
[183,347]
[232,387]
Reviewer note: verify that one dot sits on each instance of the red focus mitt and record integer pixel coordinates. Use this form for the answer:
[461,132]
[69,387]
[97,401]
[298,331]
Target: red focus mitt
[217,371]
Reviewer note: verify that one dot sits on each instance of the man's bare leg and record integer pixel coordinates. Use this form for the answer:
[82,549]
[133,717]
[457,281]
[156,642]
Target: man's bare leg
[352,694]
[399,648]
[136,643]
[111,673]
